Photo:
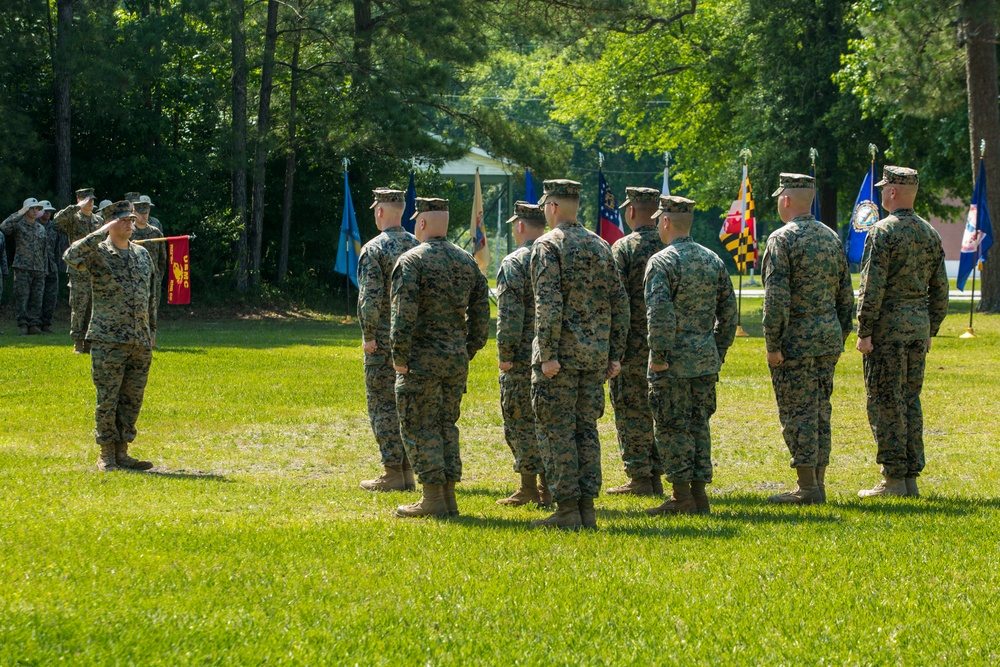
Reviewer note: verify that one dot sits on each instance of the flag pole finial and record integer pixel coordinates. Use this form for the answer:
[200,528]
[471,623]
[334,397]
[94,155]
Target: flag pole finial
[600,160]
[666,158]
[982,148]
[813,154]
[746,154]
[873,149]
[347,161]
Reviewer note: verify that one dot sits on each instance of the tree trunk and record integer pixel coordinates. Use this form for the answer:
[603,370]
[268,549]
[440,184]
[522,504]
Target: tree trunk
[147,86]
[286,204]
[263,123]
[239,137]
[61,99]
[984,122]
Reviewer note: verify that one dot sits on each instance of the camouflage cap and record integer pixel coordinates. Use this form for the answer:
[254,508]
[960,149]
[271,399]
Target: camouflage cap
[85,193]
[427,204]
[120,209]
[794,182]
[132,196]
[559,187]
[674,204]
[523,209]
[640,196]
[387,196]
[898,176]
[144,199]
[104,204]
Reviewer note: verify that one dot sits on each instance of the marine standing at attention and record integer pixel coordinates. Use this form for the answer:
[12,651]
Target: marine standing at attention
[375,264]
[440,319]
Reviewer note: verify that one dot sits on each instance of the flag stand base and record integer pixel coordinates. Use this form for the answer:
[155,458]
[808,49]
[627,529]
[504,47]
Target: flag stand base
[968,333]
[347,320]
[740,333]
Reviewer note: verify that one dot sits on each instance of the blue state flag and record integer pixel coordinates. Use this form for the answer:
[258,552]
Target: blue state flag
[529,188]
[350,239]
[411,206]
[814,209]
[978,236]
[867,212]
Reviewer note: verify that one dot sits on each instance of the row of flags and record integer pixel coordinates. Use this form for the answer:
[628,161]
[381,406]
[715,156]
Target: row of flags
[738,233]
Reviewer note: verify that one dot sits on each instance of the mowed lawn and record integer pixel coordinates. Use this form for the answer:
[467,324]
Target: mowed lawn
[252,544]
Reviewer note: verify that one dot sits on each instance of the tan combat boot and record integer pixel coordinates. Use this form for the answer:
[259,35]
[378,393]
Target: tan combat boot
[78,346]
[432,503]
[805,493]
[588,516]
[566,517]
[126,461]
[544,493]
[390,480]
[637,486]
[656,481]
[700,498]
[821,481]
[889,486]
[911,487]
[408,480]
[106,459]
[450,501]
[681,502]
[526,493]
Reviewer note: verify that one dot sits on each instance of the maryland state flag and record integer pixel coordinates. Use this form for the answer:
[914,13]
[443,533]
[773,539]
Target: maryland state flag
[739,231]
[179,281]
[609,223]
[480,250]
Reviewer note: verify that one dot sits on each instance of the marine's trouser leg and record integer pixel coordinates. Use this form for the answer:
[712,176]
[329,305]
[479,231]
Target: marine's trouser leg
[519,420]
[29,286]
[682,408]
[429,407]
[893,379]
[452,390]
[79,303]
[50,292]
[802,389]
[380,390]
[916,357]
[120,373]
[634,421]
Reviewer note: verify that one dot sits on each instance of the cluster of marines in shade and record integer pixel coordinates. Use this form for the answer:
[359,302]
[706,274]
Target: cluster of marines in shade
[114,293]
[654,315]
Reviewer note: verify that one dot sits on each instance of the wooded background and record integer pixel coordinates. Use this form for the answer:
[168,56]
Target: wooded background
[235,116]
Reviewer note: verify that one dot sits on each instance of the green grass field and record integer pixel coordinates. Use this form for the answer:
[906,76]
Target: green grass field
[251,543]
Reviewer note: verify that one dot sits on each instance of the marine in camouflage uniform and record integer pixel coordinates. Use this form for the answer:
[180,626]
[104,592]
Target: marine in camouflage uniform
[77,224]
[630,389]
[3,262]
[50,290]
[691,314]
[122,331]
[808,315]
[157,251]
[515,332]
[375,264]
[902,301]
[581,324]
[30,262]
[440,319]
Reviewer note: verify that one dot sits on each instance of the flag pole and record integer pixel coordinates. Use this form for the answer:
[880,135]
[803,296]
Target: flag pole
[741,252]
[347,275]
[969,333]
[600,172]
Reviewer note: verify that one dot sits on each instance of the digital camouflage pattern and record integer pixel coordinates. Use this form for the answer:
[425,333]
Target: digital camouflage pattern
[3,262]
[904,284]
[691,313]
[894,376]
[123,308]
[50,290]
[794,182]
[158,252]
[120,372]
[581,321]
[440,319]
[690,310]
[375,264]
[808,296]
[31,243]
[76,226]
[808,310]
[515,331]
[630,390]
[674,204]
[559,187]
[902,301]
[156,223]
[892,175]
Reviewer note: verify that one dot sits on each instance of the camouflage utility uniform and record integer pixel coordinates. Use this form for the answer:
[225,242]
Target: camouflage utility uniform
[121,330]
[691,313]
[76,225]
[901,304]
[515,331]
[158,254]
[630,390]
[581,321]
[50,291]
[375,264]
[808,311]
[440,319]
[30,263]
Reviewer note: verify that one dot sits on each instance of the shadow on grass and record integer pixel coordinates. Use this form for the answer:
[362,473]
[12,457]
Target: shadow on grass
[927,505]
[181,350]
[185,474]
[653,529]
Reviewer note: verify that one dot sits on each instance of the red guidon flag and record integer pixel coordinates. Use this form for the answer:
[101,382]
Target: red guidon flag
[179,270]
